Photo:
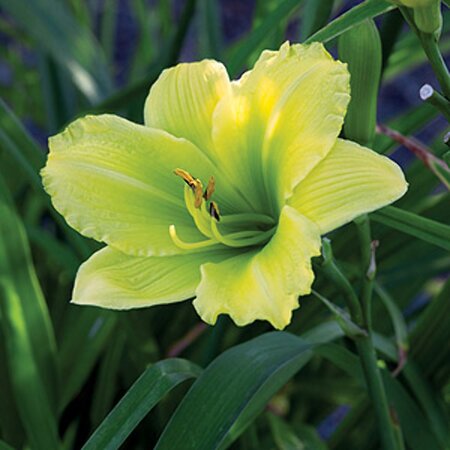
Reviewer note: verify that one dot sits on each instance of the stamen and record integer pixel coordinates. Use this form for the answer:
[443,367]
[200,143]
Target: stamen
[189,245]
[200,215]
[198,192]
[186,176]
[210,188]
[214,211]
[241,238]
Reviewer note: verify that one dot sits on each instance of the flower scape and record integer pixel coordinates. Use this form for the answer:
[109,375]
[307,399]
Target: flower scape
[224,193]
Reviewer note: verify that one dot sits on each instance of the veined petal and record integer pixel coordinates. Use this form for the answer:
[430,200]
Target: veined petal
[113,181]
[280,120]
[112,279]
[265,283]
[183,99]
[350,181]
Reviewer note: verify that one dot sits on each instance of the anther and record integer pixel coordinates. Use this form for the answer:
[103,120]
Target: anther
[214,211]
[198,192]
[209,191]
[186,176]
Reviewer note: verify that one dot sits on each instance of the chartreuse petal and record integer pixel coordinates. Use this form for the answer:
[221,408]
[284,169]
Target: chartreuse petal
[279,120]
[183,99]
[112,279]
[350,181]
[113,181]
[262,283]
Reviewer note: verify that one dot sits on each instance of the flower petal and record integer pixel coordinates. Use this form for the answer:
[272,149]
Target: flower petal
[183,99]
[264,283]
[350,181]
[280,120]
[113,181]
[112,279]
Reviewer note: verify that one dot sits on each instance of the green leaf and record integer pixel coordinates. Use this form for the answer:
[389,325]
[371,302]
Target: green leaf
[366,10]
[398,321]
[233,390]
[315,16]
[19,146]
[16,266]
[5,446]
[107,378]
[283,435]
[56,31]
[415,427]
[145,393]
[420,227]
[31,395]
[86,332]
[342,317]
[29,160]
[168,56]
[427,399]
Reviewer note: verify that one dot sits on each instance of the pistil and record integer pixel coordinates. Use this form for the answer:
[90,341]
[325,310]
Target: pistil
[206,215]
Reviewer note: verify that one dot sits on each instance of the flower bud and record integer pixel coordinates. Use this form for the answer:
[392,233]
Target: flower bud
[360,48]
[427,14]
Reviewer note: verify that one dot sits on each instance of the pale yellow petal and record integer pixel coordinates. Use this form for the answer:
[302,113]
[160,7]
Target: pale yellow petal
[113,181]
[350,181]
[280,120]
[263,283]
[183,99]
[112,279]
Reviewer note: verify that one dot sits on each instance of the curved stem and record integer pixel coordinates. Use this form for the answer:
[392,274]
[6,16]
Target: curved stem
[431,48]
[437,62]
[389,430]
[377,394]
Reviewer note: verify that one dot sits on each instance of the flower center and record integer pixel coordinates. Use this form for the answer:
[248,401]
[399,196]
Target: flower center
[232,230]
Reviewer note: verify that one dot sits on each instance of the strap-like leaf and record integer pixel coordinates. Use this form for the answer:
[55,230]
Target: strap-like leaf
[145,393]
[420,227]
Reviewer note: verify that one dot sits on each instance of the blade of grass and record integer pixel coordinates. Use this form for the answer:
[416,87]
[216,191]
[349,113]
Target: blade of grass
[32,399]
[10,424]
[16,264]
[107,379]
[420,227]
[86,333]
[168,57]
[368,9]
[210,30]
[315,16]
[153,385]
[29,158]
[56,31]
[5,446]
[233,390]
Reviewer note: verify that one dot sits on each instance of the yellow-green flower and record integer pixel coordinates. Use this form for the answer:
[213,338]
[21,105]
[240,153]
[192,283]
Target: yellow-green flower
[260,175]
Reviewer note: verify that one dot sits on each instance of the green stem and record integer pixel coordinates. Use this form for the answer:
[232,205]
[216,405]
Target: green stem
[390,433]
[368,267]
[428,94]
[430,46]
[377,393]
[437,62]
[388,430]
[332,271]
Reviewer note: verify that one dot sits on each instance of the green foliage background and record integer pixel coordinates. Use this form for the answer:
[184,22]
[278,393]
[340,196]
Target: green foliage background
[63,368]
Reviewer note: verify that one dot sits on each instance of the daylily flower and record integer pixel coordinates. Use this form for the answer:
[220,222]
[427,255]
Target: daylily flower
[225,192]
